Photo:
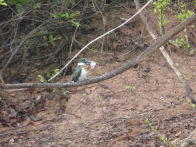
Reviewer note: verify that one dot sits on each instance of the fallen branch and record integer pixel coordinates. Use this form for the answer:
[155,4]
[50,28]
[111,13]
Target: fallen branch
[156,45]
[166,55]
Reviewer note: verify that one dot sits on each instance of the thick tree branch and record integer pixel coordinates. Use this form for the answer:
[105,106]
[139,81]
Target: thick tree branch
[166,55]
[156,45]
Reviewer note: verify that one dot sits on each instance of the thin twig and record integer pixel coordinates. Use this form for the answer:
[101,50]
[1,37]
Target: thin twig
[72,41]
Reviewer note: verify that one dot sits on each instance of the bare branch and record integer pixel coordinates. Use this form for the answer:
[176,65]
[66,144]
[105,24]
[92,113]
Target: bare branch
[166,55]
[156,45]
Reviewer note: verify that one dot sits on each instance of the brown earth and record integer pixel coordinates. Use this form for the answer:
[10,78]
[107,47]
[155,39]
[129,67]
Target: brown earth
[110,113]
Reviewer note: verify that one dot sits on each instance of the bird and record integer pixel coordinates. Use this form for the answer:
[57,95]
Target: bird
[82,69]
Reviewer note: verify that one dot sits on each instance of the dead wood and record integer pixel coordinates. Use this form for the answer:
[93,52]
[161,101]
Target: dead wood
[156,45]
[166,55]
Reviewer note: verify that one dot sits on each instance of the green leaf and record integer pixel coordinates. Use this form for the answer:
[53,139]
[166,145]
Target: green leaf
[76,13]
[55,70]
[59,1]
[72,2]
[14,2]
[54,15]
[155,3]
[19,8]
[3,3]
[37,5]
[42,79]
[74,23]
[48,75]
[54,90]
[51,39]
[189,13]
[155,10]
[45,44]
[130,87]
[65,92]
[67,15]
[166,21]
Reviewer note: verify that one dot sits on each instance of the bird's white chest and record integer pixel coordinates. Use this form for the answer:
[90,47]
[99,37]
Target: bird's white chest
[83,74]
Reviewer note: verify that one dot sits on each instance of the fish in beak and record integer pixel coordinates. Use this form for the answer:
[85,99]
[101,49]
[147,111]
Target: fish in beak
[92,64]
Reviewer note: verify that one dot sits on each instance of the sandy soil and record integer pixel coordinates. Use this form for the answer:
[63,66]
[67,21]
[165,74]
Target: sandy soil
[112,112]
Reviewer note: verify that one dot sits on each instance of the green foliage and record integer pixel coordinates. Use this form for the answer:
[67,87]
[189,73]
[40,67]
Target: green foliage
[14,2]
[19,4]
[50,75]
[72,2]
[65,92]
[162,137]
[37,6]
[182,15]
[54,90]
[70,17]
[52,40]
[74,23]
[3,3]
[161,5]
[130,87]
[181,41]
[19,8]
[42,79]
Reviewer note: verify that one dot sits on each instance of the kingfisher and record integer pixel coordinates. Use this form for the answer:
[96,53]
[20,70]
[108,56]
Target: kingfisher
[82,69]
